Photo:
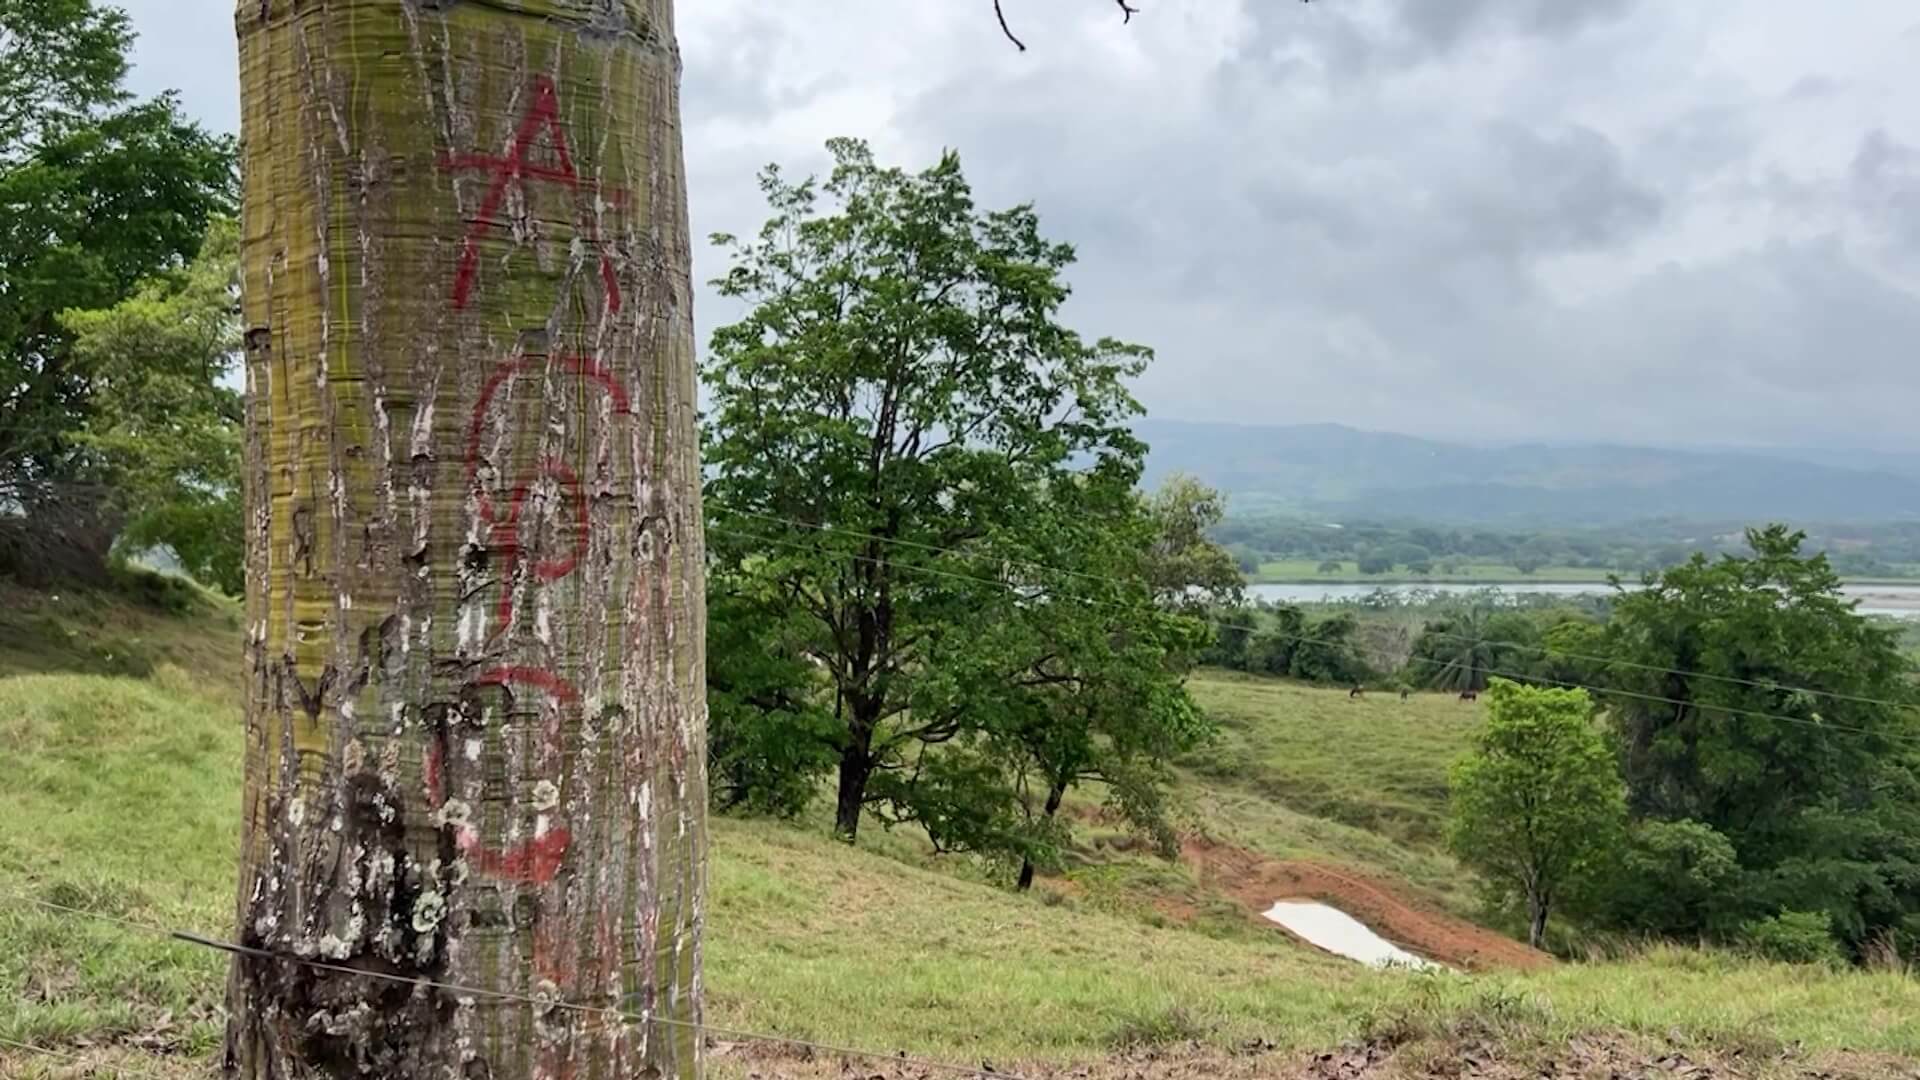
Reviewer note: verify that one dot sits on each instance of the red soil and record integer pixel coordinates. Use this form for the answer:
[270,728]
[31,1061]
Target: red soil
[1256,882]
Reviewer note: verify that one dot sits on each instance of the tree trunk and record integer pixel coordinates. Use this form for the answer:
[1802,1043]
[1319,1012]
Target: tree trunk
[856,767]
[475,609]
[1536,920]
[1055,793]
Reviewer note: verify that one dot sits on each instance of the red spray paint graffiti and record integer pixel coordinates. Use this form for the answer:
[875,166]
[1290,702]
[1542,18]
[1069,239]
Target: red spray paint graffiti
[516,167]
[539,860]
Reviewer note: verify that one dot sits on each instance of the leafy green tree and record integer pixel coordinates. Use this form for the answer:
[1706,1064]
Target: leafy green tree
[61,65]
[165,427]
[1185,568]
[770,725]
[1712,664]
[1329,652]
[1529,559]
[1279,631]
[890,423]
[1374,562]
[1101,698]
[1539,801]
[1672,878]
[97,193]
[1329,566]
[1246,559]
[1404,553]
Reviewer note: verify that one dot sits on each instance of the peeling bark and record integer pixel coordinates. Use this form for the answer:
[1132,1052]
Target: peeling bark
[475,617]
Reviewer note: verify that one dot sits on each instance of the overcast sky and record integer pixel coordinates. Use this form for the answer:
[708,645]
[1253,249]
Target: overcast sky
[1655,221]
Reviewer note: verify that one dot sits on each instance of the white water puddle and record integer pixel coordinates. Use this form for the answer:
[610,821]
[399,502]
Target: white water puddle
[1338,932]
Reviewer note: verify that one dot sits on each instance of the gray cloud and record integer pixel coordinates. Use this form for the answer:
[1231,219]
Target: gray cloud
[1490,219]
[1886,182]
[1443,26]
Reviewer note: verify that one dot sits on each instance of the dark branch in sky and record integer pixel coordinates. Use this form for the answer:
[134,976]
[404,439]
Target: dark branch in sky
[1002,16]
[1127,12]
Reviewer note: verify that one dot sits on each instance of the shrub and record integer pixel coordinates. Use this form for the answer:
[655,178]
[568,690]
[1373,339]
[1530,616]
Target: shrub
[1795,937]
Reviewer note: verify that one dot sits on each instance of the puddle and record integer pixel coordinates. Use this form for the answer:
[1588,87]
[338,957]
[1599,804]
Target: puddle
[1338,932]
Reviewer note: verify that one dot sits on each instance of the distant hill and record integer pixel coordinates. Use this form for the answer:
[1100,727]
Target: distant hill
[1337,470]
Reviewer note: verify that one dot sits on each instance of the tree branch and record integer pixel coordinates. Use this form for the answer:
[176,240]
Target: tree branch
[1002,16]
[1127,12]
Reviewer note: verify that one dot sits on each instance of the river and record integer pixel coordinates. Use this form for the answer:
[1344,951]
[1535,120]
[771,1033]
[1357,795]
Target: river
[1899,601]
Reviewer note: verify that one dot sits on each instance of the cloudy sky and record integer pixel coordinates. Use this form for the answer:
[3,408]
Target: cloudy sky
[1619,220]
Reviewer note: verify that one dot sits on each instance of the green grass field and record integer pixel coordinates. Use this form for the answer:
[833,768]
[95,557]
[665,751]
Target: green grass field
[119,793]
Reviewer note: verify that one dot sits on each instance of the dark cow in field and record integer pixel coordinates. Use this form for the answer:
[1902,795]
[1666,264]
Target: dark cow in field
[1469,695]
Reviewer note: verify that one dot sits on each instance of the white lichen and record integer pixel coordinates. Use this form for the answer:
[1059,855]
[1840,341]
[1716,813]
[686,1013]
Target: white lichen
[453,812]
[546,795]
[428,909]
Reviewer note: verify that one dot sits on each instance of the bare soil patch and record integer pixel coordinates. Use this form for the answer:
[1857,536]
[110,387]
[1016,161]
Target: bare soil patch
[1256,882]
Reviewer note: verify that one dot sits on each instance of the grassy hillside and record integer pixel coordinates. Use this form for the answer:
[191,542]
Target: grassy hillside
[119,794]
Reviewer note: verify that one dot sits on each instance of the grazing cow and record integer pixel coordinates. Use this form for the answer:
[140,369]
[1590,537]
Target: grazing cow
[1355,692]
[1405,693]
[1469,695]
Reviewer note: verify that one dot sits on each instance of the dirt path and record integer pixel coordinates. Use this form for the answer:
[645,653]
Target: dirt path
[1256,882]
[1581,1058]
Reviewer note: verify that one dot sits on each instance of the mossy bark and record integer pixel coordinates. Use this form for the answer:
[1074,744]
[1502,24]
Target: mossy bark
[475,618]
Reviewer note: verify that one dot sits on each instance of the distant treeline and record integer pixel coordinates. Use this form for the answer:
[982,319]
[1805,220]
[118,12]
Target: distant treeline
[1883,550]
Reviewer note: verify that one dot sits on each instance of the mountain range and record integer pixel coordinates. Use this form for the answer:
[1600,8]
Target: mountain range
[1333,470]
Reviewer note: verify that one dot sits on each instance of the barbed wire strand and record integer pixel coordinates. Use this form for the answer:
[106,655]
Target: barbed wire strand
[1539,649]
[736,1034]
[1821,725]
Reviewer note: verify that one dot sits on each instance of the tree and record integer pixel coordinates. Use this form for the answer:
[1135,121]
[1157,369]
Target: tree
[1749,697]
[1530,558]
[1455,652]
[892,425]
[1246,559]
[1328,652]
[97,193]
[165,426]
[1539,800]
[1374,562]
[1329,566]
[1099,696]
[475,730]
[1676,878]
[1406,554]
[1185,567]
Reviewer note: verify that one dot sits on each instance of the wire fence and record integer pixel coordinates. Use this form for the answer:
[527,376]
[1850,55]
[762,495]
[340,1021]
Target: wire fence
[603,1012]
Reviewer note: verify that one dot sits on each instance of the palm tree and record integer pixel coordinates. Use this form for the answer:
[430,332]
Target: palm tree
[1456,652]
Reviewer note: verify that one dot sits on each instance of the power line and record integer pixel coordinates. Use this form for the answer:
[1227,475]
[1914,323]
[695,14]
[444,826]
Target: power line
[1548,650]
[207,942]
[1306,640]
[1540,649]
